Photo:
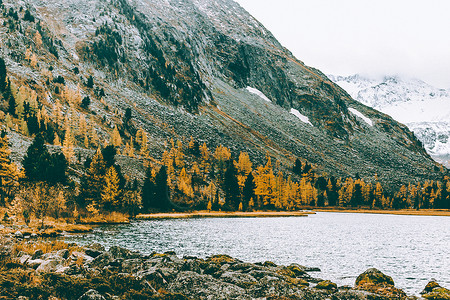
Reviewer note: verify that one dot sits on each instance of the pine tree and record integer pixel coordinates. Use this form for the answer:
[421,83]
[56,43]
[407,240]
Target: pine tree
[231,186]
[3,74]
[37,160]
[162,190]
[8,170]
[297,169]
[148,191]
[110,191]
[92,181]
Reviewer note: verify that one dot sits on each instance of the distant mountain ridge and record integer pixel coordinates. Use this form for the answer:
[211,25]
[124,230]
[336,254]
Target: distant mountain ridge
[204,69]
[423,108]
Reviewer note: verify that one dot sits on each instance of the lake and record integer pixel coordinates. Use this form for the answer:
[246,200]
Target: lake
[410,249]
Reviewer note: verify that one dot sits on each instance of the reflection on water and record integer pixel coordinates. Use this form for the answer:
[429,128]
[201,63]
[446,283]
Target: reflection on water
[411,249]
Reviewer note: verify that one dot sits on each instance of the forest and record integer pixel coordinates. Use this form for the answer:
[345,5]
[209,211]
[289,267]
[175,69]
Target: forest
[70,168]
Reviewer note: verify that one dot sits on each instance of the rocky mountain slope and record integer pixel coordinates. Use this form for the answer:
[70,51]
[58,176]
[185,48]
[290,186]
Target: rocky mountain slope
[422,107]
[205,69]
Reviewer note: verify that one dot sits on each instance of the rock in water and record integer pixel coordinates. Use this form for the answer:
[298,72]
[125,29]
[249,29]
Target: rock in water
[430,286]
[374,276]
[374,281]
[434,291]
[326,285]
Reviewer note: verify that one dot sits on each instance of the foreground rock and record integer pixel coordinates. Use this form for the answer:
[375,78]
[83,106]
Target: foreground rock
[94,273]
[434,291]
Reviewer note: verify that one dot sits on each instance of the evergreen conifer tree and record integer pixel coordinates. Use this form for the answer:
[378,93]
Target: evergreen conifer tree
[162,200]
[92,181]
[3,74]
[37,160]
[231,186]
[148,191]
[248,191]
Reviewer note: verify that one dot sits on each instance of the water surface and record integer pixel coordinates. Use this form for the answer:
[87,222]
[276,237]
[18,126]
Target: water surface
[411,249]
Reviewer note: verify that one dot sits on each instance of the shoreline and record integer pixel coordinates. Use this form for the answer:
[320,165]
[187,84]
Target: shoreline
[401,212]
[221,214]
[94,273]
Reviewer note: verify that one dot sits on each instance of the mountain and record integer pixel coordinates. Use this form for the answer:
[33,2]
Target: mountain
[422,107]
[199,68]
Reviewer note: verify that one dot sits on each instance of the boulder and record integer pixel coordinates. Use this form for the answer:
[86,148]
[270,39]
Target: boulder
[297,269]
[434,291]
[18,234]
[221,259]
[34,263]
[374,281]
[92,252]
[119,252]
[196,286]
[269,264]
[64,253]
[92,295]
[242,280]
[326,285]
[273,286]
[102,260]
[24,258]
[62,270]
[48,266]
[97,247]
[80,256]
[430,286]
[374,276]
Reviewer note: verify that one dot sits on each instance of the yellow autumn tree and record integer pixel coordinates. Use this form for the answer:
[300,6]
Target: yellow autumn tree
[116,140]
[67,147]
[110,191]
[243,165]
[56,140]
[142,140]
[184,183]
[265,181]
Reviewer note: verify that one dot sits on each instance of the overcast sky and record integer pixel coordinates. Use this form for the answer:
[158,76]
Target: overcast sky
[372,37]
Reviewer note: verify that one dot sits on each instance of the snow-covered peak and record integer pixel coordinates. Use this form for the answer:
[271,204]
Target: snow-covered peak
[389,90]
[423,108]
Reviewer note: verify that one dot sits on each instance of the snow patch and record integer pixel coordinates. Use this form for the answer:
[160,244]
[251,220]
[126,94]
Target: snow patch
[258,93]
[302,118]
[360,115]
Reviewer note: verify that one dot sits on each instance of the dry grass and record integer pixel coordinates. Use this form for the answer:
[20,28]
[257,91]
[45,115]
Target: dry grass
[220,214]
[405,212]
[45,246]
[52,227]
[109,218]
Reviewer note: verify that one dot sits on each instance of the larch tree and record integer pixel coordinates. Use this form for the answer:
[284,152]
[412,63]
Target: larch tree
[9,174]
[244,165]
[116,140]
[110,191]
[67,146]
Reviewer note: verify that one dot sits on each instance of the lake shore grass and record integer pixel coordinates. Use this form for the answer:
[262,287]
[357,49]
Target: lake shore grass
[402,212]
[222,214]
